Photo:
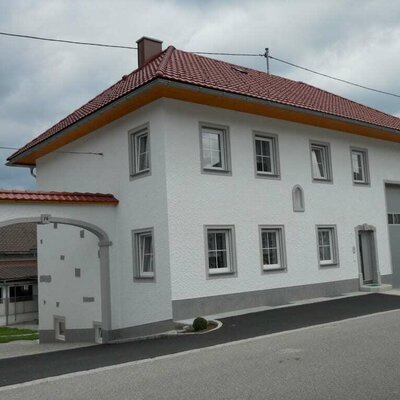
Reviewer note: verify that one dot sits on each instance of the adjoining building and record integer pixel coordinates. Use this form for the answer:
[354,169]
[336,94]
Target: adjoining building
[206,187]
[18,274]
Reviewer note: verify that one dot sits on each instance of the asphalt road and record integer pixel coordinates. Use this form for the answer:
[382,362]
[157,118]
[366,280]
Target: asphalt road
[355,359]
[28,368]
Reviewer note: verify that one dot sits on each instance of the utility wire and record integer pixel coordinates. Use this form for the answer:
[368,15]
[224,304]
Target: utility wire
[59,151]
[266,55]
[334,78]
[228,54]
[67,41]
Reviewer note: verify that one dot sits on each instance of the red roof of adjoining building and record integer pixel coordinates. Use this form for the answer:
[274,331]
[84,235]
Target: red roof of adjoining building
[181,66]
[18,238]
[56,197]
[17,269]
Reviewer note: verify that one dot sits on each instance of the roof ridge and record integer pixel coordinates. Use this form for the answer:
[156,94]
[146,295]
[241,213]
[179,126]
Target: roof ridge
[164,62]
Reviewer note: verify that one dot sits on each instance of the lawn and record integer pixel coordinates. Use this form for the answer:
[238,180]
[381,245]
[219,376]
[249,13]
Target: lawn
[12,334]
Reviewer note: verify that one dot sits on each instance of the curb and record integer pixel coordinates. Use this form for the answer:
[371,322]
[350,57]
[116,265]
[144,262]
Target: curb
[167,334]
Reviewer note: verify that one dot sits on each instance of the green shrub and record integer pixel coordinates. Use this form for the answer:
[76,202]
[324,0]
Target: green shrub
[199,324]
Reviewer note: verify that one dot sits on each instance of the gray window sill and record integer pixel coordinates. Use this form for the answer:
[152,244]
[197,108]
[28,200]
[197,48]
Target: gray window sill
[140,174]
[361,184]
[316,180]
[213,171]
[331,265]
[221,274]
[272,270]
[144,278]
[267,176]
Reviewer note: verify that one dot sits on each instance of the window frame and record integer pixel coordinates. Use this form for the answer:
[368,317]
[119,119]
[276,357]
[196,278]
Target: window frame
[275,163]
[133,136]
[225,151]
[281,247]
[326,148]
[137,254]
[334,261]
[57,321]
[365,166]
[230,243]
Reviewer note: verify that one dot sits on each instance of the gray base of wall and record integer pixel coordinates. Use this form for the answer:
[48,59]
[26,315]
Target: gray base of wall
[190,308]
[87,335]
[387,279]
[71,335]
[143,330]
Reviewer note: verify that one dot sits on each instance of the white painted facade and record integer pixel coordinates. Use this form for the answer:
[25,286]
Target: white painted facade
[177,200]
[62,250]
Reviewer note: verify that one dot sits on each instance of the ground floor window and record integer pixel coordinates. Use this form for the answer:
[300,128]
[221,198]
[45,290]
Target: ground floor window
[220,250]
[327,245]
[272,248]
[143,253]
[59,326]
[21,293]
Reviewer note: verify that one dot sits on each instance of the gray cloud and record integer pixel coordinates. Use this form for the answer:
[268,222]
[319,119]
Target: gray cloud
[42,82]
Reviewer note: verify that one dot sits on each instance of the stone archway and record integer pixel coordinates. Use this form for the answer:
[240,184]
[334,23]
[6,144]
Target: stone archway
[104,244]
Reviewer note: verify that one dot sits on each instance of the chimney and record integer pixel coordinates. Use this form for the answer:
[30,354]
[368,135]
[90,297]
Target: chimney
[148,48]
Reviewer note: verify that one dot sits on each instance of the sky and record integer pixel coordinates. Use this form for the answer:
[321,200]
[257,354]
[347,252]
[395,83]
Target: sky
[42,82]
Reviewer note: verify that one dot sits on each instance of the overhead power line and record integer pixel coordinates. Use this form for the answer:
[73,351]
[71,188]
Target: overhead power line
[266,55]
[334,78]
[67,41]
[228,54]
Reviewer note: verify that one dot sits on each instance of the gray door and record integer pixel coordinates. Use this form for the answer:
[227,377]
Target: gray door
[393,209]
[367,258]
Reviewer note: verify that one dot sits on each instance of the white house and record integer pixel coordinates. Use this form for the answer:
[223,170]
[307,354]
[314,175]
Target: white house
[223,188]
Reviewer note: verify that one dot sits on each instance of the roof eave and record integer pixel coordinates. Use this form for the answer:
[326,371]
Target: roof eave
[16,160]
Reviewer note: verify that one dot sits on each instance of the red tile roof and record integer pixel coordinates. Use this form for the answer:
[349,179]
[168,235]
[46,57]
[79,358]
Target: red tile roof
[18,238]
[18,269]
[56,197]
[180,66]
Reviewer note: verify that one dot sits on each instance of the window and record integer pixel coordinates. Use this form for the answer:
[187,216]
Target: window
[20,293]
[394,218]
[59,327]
[272,248]
[143,253]
[139,148]
[321,162]
[214,149]
[359,165]
[220,250]
[266,155]
[327,245]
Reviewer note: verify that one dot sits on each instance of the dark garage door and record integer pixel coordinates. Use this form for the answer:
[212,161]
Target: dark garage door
[393,209]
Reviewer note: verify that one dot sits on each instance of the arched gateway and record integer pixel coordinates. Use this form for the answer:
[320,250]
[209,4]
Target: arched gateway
[83,210]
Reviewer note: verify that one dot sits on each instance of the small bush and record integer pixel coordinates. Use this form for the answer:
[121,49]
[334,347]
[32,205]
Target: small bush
[200,324]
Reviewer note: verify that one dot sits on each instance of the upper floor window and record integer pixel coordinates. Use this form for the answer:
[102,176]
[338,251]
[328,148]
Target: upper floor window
[359,165]
[327,245]
[220,250]
[214,148]
[139,149]
[321,162]
[143,250]
[266,155]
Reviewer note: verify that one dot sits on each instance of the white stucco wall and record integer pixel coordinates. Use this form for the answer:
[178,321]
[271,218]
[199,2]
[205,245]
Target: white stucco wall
[177,200]
[142,205]
[63,296]
[196,199]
